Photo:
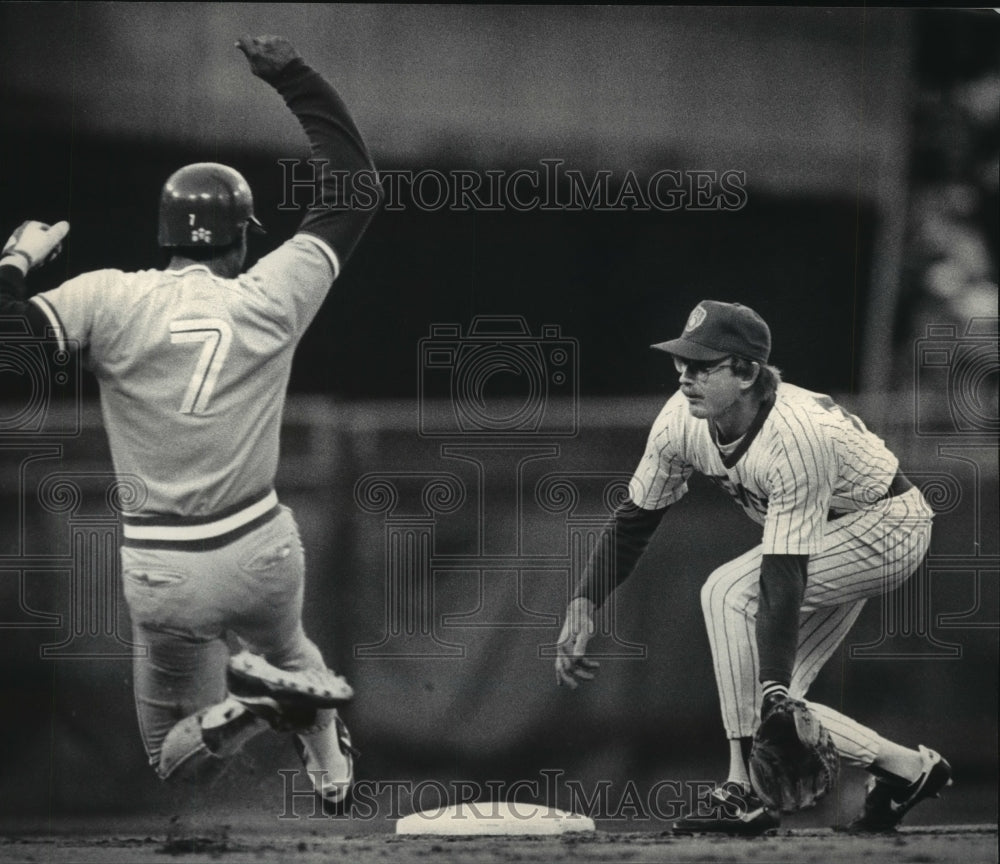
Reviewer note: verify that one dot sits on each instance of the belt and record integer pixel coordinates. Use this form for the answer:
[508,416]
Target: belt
[198,533]
[898,486]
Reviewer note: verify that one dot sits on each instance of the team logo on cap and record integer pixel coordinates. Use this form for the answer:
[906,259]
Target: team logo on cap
[696,318]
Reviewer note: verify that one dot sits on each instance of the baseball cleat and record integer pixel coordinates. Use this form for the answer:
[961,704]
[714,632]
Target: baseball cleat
[280,717]
[260,686]
[887,802]
[334,794]
[195,747]
[227,726]
[734,809]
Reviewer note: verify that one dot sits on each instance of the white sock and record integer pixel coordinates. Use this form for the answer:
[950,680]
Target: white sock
[737,767]
[899,760]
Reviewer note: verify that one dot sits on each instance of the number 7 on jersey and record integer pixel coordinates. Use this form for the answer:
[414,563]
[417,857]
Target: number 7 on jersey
[216,336]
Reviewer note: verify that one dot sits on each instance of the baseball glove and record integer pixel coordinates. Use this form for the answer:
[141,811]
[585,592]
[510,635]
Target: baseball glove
[793,763]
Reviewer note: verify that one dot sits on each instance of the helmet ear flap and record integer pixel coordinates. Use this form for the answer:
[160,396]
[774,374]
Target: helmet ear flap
[205,204]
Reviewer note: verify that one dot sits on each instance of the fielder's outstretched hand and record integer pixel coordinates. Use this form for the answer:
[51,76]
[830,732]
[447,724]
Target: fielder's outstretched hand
[572,664]
[268,55]
[36,243]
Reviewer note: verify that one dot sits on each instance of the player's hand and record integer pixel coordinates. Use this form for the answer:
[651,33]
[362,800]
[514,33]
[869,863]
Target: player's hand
[572,664]
[268,55]
[36,242]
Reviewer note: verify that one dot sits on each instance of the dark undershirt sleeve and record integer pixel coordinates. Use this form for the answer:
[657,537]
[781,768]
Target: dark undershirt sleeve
[622,542]
[344,203]
[782,587]
[12,303]
[12,285]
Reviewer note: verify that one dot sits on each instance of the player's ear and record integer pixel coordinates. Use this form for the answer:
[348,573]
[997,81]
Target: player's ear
[748,380]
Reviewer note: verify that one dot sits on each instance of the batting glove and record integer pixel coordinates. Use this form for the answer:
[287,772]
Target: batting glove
[36,243]
[572,664]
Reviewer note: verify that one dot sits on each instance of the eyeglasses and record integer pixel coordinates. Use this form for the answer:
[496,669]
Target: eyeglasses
[699,370]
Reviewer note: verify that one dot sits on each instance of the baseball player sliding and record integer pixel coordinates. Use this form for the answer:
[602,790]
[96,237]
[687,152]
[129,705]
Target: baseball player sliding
[193,363]
[840,525]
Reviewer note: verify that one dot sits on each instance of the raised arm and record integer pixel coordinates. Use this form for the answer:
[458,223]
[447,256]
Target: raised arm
[347,193]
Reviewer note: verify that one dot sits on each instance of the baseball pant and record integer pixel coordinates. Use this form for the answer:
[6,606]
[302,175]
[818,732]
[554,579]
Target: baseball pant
[184,603]
[865,554]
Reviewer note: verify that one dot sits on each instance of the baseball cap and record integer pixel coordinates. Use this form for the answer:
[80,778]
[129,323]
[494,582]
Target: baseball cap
[715,330]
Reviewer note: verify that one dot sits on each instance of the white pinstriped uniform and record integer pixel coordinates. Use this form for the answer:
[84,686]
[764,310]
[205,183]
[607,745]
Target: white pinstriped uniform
[813,476]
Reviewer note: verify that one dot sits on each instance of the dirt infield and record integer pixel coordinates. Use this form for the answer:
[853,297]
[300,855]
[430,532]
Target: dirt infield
[941,845]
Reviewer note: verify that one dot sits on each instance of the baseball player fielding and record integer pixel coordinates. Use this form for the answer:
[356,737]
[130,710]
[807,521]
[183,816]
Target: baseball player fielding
[840,524]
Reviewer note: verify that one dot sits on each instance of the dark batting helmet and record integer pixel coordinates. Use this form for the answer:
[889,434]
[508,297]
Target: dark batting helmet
[205,204]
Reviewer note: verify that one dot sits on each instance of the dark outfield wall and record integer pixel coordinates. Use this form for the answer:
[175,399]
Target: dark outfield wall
[615,280]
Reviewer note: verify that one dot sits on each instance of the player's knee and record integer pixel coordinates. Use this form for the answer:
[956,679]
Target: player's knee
[718,593]
[296,651]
